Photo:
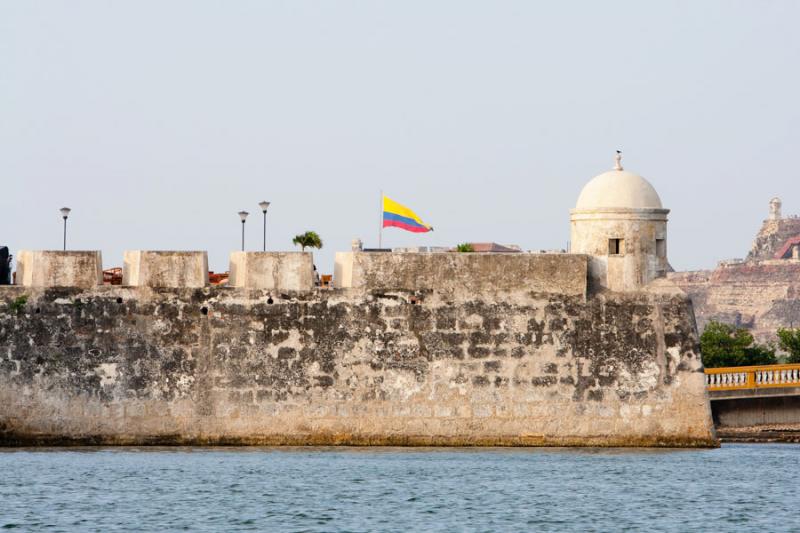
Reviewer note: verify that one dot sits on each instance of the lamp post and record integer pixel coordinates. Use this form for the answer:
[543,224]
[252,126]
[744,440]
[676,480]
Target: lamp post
[65,213]
[264,205]
[243,216]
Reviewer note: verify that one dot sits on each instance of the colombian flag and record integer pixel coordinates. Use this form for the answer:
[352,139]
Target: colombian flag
[399,216]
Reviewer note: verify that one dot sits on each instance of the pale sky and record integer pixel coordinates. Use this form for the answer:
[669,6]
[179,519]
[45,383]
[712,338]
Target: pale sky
[156,121]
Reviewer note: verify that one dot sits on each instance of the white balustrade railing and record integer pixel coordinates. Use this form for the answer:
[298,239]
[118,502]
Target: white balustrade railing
[753,377]
[778,376]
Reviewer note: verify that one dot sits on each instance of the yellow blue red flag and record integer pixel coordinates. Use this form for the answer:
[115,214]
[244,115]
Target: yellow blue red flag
[399,216]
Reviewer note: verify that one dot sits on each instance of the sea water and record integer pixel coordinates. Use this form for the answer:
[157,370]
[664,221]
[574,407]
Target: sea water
[735,488]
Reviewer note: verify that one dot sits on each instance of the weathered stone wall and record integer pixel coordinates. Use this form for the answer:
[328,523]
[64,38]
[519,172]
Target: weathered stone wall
[55,268]
[760,296]
[282,271]
[640,260]
[772,235]
[463,275]
[161,268]
[215,365]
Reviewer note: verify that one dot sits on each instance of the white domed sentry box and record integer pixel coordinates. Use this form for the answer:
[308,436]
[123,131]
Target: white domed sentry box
[619,221]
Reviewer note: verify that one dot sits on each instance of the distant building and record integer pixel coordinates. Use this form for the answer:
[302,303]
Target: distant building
[476,247]
[760,293]
[494,247]
[790,249]
[777,238]
[420,249]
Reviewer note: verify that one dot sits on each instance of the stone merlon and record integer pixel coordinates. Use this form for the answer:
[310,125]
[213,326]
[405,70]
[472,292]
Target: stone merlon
[59,269]
[463,275]
[165,269]
[284,271]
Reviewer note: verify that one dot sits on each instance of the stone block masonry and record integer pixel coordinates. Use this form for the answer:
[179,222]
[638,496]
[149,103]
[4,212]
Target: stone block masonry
[212,365]
[165,269]
[760,296]
[463,275]
[45,268]
[282,271]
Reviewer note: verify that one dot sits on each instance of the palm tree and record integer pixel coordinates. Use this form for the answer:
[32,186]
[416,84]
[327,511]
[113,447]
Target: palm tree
[309,239]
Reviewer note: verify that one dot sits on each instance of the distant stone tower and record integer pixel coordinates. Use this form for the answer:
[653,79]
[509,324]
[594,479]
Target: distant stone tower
[774,233]
[619,221]
[775,209]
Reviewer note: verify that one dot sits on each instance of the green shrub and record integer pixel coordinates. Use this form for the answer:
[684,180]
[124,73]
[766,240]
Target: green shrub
[724,345]
[19,304]
[789,341]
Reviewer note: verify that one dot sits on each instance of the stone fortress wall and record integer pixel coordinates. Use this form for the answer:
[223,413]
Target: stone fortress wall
[412,351]
[458,274]
[761,292]
[592,348]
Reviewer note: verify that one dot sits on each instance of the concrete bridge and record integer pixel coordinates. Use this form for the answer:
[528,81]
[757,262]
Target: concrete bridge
[749,397]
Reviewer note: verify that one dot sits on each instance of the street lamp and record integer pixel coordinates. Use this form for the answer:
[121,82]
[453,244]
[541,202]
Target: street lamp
[243,216]
[264,205]
[65,213]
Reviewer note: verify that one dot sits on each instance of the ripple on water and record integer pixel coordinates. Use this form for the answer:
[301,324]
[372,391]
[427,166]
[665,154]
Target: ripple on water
[387,489]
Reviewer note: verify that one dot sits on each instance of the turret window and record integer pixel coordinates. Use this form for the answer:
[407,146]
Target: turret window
[616,246]
[661,248]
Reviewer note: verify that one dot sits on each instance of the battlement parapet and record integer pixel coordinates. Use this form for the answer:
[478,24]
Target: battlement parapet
[283,271]
[55,268]
[455,275]
[466,274]
[165,269]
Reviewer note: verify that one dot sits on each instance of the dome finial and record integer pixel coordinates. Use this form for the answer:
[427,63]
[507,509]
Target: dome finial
[618,160]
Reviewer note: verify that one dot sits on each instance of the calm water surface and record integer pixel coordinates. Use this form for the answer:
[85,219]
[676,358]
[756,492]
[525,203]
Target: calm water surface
[736,488]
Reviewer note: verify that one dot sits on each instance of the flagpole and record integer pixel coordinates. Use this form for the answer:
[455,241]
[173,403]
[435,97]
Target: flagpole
[380,221]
